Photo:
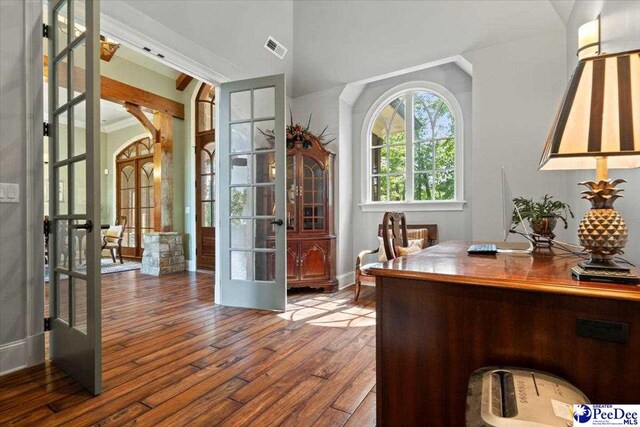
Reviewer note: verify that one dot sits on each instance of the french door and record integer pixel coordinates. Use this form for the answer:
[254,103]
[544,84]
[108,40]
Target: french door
[251,242]
[205,200]
[205,177]
[74,172]
[134,194]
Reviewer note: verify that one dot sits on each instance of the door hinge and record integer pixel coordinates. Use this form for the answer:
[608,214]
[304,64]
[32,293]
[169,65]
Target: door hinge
[196,218]
[45,31]
[47,324]
[47,227]
[196,251]
[45,129]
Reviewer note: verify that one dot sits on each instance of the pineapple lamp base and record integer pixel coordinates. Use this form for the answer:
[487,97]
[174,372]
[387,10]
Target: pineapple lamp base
[603,233]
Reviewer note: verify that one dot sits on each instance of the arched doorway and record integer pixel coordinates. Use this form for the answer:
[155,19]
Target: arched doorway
[134,194]
[205,177]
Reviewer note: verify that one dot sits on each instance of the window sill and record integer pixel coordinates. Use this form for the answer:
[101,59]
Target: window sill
[434,206]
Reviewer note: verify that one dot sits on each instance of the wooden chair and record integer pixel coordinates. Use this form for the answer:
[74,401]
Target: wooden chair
[394,231]
[112,240]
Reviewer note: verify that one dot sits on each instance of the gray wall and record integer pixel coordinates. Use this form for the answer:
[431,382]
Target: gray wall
[327,110]
[620,31]
[21,248]
[452,225]
[517,87]
[508,106]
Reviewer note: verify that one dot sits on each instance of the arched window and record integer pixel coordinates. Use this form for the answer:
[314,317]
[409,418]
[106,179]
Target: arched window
[413,140]
[206,113]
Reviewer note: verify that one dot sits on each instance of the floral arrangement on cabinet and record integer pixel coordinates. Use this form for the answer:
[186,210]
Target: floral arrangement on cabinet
[297,134]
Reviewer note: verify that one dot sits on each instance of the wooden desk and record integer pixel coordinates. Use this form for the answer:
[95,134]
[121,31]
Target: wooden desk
[441,314]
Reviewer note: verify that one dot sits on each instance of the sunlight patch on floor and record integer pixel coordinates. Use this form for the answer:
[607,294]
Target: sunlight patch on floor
[320,311]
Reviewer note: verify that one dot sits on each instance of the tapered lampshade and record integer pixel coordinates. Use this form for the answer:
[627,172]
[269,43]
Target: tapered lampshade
[599,116]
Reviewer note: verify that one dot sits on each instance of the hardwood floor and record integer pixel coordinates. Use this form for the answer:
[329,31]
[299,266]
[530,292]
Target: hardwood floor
[171,358]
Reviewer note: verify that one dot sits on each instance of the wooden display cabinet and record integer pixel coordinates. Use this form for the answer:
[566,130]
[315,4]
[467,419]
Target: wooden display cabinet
[311,242]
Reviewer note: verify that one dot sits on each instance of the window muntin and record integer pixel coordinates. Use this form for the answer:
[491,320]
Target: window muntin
[205,108]
[428,134]
[388,152]
[434,148]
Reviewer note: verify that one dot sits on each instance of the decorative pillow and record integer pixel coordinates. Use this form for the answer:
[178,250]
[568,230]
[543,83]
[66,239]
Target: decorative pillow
[414,247]
[421,234]
[382,255]
[114,231]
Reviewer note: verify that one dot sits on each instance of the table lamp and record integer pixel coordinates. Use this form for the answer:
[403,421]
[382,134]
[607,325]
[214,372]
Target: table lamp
[598,127]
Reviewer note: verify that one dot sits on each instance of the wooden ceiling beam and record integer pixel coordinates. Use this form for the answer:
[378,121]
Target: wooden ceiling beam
[136,112]
[115,91]
[121,93]
[183,81]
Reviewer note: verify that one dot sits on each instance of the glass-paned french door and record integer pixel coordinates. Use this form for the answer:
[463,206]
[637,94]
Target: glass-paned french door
[251,243]
[205,177]
[74,244]
[205,199]
[135,194]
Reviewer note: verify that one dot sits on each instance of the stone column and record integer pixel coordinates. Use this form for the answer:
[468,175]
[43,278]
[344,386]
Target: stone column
[163,253]
[163,172]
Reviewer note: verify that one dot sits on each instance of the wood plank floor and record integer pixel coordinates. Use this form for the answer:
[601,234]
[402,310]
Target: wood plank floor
[171,358]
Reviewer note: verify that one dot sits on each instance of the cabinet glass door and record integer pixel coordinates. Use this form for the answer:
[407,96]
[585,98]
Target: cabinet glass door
[292,194]
[313,195]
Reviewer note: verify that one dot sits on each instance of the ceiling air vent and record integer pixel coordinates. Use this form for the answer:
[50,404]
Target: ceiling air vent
[275,47]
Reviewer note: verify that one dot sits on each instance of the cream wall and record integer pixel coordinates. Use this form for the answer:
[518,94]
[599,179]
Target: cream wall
[159,84]
[113,143]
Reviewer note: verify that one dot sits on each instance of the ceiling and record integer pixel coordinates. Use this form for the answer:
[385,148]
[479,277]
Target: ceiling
[563,8]
[342,42]
[231,32]
[145,61]
[337,42]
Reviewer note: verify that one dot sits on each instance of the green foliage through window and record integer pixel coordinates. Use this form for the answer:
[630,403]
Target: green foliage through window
[433,149]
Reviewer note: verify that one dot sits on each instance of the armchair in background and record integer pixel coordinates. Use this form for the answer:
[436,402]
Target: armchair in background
[112,239]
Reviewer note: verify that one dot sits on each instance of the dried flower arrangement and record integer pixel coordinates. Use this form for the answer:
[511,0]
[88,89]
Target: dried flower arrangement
[296,134]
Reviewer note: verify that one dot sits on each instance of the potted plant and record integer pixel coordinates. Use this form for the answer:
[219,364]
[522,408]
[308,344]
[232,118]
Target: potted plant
[542,215]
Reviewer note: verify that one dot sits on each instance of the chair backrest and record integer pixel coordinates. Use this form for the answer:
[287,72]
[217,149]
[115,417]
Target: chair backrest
[394,232]
[111,235]
[430,231]
[121,220]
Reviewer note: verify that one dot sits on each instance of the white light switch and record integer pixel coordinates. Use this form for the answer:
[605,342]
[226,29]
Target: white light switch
[9,193]
[187,209]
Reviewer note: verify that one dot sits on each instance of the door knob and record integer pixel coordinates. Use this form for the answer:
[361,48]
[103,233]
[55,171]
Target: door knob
[86,226]
[277,222]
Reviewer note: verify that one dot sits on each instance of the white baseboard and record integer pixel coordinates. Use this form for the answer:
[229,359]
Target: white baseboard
[21,354]
[346,280]
[191,265]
